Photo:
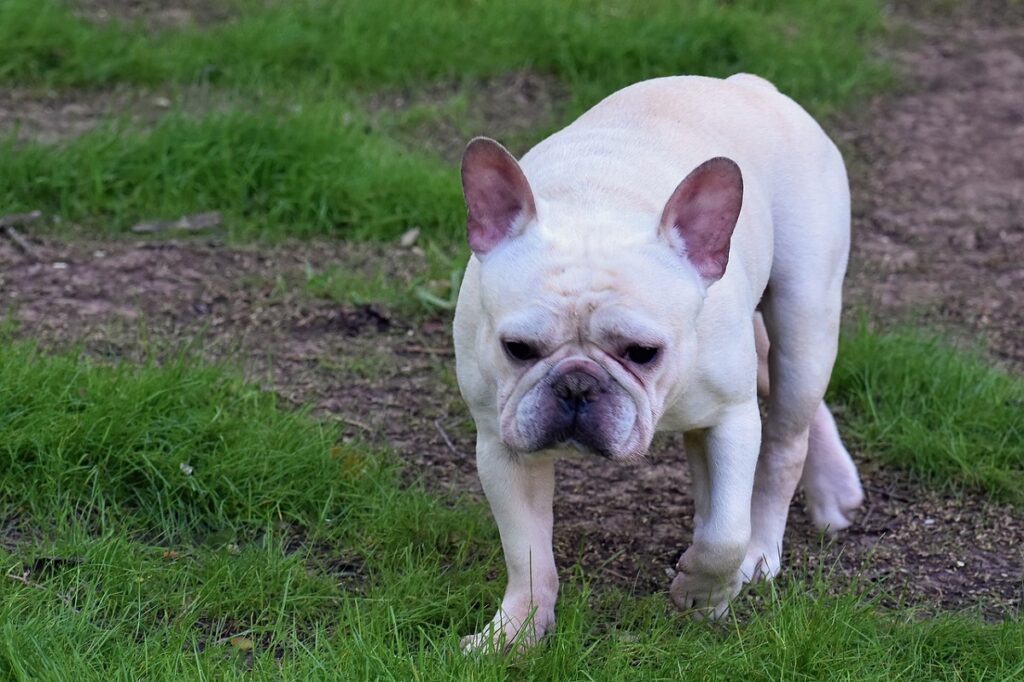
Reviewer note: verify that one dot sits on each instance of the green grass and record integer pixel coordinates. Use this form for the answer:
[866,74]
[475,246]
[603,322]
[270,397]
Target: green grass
[817,54]
[120,563]
[272,174]
[324,170]
[169,521]
[913,401]
[431,288]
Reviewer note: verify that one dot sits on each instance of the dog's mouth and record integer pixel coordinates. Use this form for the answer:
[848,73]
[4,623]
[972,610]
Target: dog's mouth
[578,409]
[586,443]
[583,448]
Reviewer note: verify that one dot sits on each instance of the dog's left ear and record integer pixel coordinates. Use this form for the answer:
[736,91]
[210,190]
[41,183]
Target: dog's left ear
[701,214]
[499,200]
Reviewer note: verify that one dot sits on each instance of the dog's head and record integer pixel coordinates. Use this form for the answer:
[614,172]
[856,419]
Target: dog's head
[587,339]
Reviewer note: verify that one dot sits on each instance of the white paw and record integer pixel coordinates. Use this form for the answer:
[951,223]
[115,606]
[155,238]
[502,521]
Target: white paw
[833,502]
[830,478]
[760,564]
[507,634]
[707,596]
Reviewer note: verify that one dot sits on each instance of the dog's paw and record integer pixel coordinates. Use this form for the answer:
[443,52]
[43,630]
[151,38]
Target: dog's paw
[506,634]
[833,503]
[760,564]
[706,596]
[830,481]
[487,642]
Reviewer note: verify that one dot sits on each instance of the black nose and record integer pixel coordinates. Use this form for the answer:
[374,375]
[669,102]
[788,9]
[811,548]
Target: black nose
[576,390]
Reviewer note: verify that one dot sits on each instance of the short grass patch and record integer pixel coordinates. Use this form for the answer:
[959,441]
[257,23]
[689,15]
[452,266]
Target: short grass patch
[178,524]
[170,521]
[431,289]
[816,52]
[914,401]
[299,158]
[273,174]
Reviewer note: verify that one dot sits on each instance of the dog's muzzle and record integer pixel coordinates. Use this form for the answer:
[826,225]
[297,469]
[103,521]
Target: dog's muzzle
[579,404]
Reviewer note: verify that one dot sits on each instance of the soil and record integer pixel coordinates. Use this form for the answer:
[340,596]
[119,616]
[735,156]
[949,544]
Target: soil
[156,15]
[938,175]
[936,178]
[49,116]
[510,108]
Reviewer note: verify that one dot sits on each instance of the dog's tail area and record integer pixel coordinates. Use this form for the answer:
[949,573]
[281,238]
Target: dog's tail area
[749,80]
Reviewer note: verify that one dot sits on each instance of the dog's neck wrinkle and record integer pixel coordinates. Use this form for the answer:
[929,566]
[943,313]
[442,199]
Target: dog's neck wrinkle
[597,220]
[582,284]
[600,195]
[588,168]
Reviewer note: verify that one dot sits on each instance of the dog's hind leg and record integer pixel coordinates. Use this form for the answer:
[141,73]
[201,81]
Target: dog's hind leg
[803,334]
[801,309]
[829,478]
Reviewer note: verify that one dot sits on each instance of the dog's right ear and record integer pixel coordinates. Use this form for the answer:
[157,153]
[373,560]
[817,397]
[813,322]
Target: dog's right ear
[701,215]
[499,200]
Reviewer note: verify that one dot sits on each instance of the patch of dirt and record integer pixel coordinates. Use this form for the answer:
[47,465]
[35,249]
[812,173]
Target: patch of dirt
[156,15]
[51,116]
[389,380]
[439,117]
[512,108]
[936,176]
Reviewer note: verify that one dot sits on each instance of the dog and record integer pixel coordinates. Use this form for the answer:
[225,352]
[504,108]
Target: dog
[676,251]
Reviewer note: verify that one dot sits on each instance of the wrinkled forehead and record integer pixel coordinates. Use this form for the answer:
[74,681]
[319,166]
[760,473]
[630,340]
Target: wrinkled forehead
[546,294]
[608,324]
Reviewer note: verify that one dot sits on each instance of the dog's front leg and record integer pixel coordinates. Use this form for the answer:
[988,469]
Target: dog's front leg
[722,465]
[520,491]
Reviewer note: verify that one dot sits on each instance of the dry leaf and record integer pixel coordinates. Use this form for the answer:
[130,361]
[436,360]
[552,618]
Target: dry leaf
[241,643]
[409,237]
[352,463]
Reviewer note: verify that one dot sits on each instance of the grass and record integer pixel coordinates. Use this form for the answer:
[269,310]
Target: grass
[279,553]
[916,402]
[169,521]
[594,46]
[429,287]
[300,174]
[303,159]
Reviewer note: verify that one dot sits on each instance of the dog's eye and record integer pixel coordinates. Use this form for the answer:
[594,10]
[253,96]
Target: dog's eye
[519,350]
[640,355]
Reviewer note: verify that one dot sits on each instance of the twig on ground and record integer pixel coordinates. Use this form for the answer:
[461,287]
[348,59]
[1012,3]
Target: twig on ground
[19,241]
[890,493]
[9,224]
[189,223]
[23,579]
[227,638]
[355,423]
[19,219]
[863,520]
[447,440]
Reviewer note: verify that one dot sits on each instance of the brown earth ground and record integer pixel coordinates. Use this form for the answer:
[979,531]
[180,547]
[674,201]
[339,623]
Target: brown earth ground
[157,15]
[937,181]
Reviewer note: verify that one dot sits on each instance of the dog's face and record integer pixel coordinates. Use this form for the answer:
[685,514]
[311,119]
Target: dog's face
[586,342]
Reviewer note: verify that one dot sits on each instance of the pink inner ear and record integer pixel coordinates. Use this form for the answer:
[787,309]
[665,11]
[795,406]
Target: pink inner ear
[702,213]
[498,197]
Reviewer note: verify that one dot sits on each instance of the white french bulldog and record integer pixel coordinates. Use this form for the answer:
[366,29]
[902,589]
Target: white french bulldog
[617,286]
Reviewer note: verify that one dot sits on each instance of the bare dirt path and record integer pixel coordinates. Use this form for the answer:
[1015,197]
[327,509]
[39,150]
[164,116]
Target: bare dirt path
[938,184]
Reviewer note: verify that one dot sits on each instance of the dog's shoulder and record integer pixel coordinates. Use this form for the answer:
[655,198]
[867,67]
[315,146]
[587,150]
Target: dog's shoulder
[751,81]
